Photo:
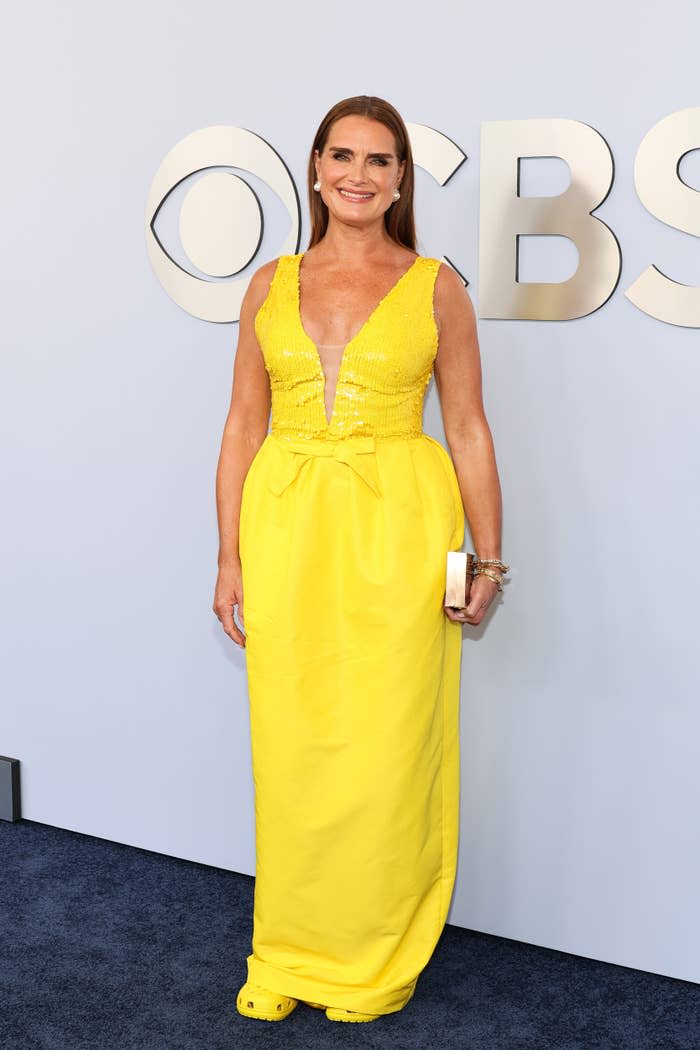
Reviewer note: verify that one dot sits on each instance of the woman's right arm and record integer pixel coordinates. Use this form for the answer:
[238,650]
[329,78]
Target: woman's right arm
[245,430]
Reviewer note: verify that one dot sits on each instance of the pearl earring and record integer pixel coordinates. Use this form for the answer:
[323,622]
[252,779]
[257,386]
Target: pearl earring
[317,185]
[396,194]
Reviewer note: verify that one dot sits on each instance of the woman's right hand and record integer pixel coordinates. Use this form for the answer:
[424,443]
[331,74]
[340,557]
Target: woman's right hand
[228,594]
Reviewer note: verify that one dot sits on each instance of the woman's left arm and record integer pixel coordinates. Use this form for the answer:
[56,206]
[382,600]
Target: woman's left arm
[457,370]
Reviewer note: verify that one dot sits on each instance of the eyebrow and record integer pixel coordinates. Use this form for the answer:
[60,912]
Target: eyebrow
[345,149]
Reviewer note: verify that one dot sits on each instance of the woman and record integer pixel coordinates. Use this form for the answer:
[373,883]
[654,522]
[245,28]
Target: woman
[335,527]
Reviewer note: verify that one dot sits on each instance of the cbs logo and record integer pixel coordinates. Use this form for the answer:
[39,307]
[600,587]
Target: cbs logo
[221,218]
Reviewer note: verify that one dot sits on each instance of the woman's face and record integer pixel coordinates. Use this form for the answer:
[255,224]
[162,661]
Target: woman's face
[358,169]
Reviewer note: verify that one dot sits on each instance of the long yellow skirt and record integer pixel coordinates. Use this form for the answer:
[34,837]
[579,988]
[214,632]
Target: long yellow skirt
[353,679]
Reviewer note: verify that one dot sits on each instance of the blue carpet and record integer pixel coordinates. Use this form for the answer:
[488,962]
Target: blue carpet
[108,947]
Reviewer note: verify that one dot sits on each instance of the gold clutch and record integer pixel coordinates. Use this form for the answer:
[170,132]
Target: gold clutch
[458,580]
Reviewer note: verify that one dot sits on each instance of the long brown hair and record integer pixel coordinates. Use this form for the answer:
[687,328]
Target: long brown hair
[398,219]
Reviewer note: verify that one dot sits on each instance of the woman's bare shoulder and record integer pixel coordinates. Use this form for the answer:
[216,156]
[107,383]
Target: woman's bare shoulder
[450,289]
[261,279]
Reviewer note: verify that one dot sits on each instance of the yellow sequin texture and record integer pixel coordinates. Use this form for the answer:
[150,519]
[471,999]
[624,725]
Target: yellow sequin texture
[384,370]
[353,668]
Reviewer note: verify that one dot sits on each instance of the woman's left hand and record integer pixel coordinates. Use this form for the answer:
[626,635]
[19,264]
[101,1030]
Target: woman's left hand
[482,592]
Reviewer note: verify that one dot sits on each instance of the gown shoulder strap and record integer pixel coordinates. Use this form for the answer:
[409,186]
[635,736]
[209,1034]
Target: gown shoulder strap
[429,271]
[284,273]
[281,291]
[430,266]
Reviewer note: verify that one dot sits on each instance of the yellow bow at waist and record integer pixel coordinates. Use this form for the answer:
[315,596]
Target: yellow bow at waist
[357,451]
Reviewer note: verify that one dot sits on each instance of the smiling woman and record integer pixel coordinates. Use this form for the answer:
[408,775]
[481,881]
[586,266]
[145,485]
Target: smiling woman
[347,509]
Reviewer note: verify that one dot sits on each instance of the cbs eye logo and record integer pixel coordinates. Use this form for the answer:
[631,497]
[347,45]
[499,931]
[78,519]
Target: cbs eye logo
[220,220]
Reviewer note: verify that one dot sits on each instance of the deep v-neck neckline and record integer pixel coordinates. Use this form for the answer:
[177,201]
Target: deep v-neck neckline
[350,342]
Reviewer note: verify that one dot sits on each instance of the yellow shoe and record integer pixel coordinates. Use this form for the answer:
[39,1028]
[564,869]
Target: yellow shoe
[254,1001]
[316,1006]
[336,1013]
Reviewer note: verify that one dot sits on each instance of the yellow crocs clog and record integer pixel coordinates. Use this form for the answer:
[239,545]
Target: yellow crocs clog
[254,1001]
[316,1006]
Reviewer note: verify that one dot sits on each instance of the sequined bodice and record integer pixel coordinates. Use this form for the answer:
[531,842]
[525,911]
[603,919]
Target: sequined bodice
[384,370]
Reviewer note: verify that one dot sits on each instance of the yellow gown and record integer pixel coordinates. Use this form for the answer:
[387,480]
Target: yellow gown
[353,667]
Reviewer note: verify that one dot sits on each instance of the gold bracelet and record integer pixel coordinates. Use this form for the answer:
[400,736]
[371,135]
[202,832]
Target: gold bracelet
[495,562]
[495,576]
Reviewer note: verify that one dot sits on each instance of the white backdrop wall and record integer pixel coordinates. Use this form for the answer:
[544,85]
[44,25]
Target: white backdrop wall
[122,697]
